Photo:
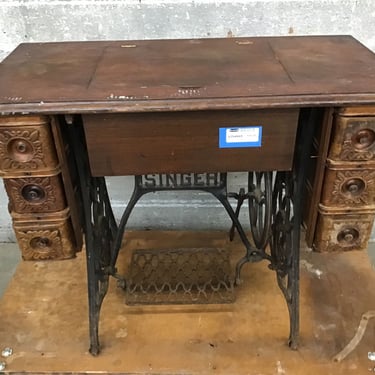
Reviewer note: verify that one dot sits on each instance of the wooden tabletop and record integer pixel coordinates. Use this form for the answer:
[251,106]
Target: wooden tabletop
[186,74]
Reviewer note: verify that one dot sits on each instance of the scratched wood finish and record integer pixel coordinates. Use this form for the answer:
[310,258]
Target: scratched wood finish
[126,144]
[189,75]
[186,74]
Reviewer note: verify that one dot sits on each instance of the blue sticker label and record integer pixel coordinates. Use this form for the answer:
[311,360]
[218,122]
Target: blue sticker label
[244,136]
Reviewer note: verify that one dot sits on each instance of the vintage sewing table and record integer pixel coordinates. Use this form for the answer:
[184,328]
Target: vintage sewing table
[178,115]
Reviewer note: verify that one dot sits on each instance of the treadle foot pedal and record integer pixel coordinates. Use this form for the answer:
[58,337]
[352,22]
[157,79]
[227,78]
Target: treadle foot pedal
[180,276]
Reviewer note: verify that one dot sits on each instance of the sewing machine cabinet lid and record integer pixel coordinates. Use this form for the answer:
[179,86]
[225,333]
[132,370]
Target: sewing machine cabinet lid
[189,74]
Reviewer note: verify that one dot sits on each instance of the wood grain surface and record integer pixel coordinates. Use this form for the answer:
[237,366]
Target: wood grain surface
[187,74]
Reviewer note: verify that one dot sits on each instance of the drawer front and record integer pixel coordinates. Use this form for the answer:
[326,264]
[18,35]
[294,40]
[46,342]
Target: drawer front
[363,110]
[50,238]
[353,139]
[141,143]
[349,188]
[26,146]
[343,232]
[35,194]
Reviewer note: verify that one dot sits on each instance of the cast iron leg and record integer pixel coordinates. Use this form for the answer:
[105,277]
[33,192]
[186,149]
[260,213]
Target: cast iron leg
[294,296]
[287,201]
[100,232]
[99,228]
[285,249]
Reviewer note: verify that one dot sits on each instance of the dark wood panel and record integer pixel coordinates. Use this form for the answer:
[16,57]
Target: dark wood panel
[316,179]
[70,177]
[126,144]
[127,75]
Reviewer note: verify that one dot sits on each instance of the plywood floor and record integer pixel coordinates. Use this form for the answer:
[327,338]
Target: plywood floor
[43,317]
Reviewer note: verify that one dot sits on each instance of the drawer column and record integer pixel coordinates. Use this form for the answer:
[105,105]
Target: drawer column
[346,210]
[33,181]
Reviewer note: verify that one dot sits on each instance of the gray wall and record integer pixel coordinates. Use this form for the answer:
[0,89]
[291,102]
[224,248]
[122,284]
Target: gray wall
[59,20]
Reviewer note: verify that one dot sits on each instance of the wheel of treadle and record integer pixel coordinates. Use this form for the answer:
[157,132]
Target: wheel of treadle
[260,206]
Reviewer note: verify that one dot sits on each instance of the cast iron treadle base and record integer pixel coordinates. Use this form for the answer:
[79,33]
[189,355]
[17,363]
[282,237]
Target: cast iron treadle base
[180,276]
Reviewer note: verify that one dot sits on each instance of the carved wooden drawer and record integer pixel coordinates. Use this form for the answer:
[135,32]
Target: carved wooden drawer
[346,208]
[26,146]
[353,138]
[44,237]
[32,161]
[347,186]
[342,231]
[36,194]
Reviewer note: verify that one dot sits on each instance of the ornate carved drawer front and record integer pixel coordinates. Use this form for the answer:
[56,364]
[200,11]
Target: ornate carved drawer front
[45,237]
[35,194]
[31,169]
[343,231]
[26,146]
[353,139]
[348,187]
[347,203]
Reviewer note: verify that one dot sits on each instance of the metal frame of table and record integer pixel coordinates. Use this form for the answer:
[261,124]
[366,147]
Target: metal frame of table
[275,210]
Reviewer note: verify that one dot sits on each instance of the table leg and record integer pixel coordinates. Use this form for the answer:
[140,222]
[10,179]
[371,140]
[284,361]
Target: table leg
[285,248]
[287,202]
[99,228]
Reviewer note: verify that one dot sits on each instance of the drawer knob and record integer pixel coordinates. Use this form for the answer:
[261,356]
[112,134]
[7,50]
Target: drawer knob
[40,242]
[348,236]
[354,186]
[33,193]
[20,150]
[364,138]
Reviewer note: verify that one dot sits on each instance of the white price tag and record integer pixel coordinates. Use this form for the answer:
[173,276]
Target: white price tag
[240,135]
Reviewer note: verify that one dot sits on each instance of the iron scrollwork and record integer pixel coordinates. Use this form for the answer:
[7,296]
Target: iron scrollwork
[284,248]
[275,212]
[274,202]
[260,193]
[259,197]
[275,234]
[100,230]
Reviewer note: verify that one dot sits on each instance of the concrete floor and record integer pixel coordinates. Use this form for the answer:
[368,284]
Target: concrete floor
[10,256]
[45,322]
